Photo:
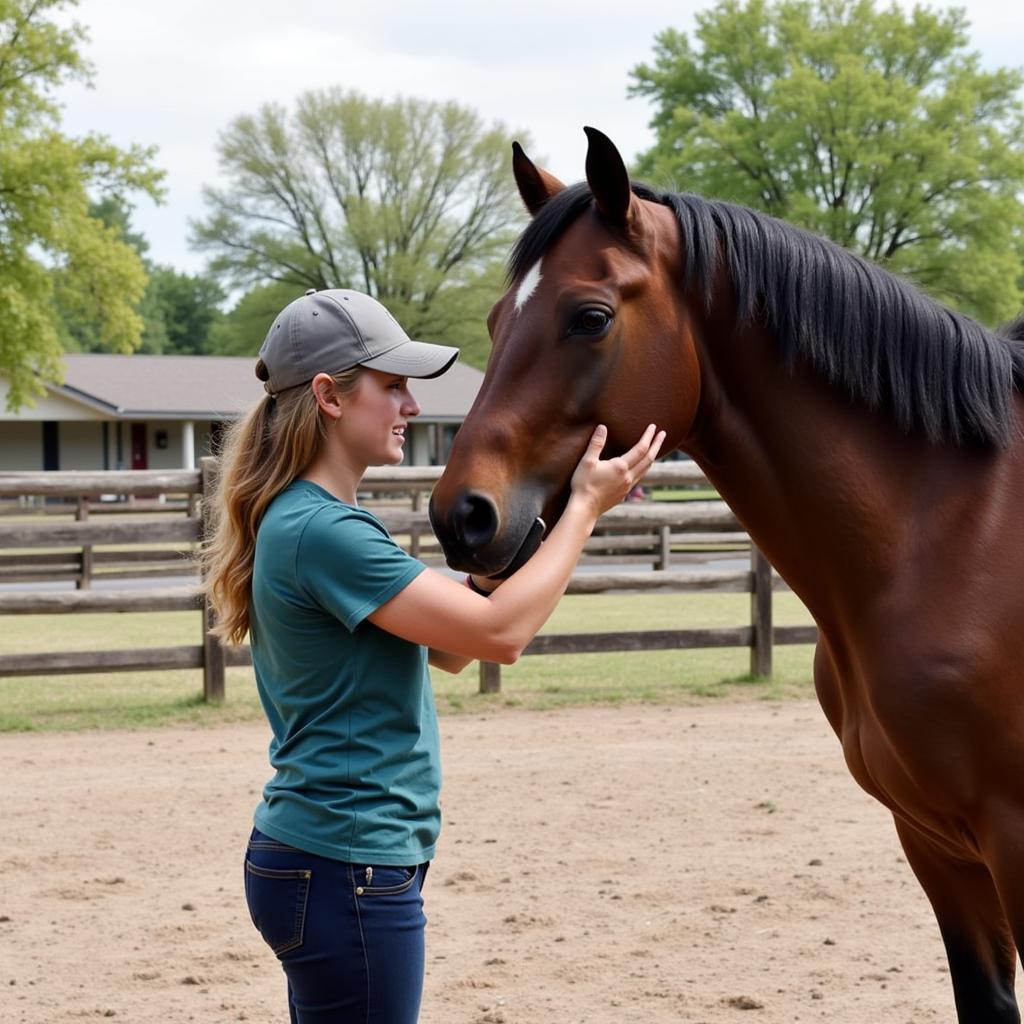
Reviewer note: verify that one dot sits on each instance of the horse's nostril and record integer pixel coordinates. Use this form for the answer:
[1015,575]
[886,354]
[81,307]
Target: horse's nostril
[477,522]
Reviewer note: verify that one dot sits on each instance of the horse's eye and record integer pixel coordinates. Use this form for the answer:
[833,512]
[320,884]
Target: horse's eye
[591,322]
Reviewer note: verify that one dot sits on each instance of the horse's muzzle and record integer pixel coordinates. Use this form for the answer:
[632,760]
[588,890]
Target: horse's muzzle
[475,538]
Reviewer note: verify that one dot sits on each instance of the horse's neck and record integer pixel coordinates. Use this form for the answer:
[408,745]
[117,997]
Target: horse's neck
[820,484]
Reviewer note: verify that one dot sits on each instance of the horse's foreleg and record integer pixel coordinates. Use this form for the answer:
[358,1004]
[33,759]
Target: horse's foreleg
[977,936]
[1003,849]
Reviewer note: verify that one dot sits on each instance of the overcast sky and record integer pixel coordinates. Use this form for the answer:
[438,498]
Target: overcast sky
[174,74]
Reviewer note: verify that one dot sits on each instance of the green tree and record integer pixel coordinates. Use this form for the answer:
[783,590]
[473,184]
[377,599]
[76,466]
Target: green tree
[241,331]
[876,128]
[184,309]
[51,247]
[78,331]
[178,311]
[407,200]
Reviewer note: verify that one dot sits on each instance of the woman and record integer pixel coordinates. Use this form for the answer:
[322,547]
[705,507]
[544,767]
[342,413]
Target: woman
[342,624]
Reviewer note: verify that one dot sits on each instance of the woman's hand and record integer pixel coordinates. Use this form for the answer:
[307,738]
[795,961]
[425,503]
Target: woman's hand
[604,483]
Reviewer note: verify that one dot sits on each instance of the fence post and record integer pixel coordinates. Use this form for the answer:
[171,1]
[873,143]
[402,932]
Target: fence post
[490,677]
[761,614]
[664,547]
[81,515]
[414,531]
[213,650]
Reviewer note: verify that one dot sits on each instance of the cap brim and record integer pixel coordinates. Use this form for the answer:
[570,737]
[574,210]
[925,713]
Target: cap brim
[415,359]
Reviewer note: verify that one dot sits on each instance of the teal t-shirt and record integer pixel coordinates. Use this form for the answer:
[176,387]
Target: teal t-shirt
[355,740]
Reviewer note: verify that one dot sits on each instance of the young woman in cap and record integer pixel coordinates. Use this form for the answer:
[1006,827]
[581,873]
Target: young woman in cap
[342,624]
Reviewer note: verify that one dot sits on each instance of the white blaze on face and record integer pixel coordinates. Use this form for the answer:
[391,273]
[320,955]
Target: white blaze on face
[528,286]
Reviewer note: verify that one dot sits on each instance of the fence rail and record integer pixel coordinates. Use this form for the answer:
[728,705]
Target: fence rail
[173,522]
[71,483]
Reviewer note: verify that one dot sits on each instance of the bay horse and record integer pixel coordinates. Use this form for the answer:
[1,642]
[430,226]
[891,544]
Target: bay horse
[868,439]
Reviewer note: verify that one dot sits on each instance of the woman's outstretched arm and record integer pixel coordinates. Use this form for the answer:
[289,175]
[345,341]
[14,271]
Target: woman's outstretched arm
[442,614]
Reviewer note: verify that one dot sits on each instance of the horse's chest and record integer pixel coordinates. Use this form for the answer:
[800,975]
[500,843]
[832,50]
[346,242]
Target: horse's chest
[910,747]
[873,763]
[901,785]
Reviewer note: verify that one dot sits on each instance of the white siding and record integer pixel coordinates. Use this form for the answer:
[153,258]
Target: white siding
[171,457]
[80,445]
[417,445]
[21,446]
[163,458]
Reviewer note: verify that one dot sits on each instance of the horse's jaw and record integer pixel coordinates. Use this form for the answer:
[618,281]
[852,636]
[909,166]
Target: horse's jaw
[526,551]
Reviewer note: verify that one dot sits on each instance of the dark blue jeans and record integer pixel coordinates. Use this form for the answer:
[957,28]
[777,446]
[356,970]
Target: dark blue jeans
[349,936]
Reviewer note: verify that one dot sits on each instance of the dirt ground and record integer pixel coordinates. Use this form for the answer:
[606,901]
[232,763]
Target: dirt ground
[695,864]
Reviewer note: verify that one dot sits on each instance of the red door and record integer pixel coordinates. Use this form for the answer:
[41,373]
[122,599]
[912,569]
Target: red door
[139,460]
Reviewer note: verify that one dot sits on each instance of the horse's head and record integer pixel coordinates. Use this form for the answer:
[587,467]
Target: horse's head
[592,330]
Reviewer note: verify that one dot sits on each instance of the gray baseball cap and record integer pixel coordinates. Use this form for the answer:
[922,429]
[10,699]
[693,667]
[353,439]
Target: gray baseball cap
[337,329]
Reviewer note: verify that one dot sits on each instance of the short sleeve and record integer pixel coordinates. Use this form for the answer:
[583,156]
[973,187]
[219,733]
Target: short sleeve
[348,563]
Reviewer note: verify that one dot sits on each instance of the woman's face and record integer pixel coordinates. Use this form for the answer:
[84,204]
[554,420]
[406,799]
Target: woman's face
[375,416]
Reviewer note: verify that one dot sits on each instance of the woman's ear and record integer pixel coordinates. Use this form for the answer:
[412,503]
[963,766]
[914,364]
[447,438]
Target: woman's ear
[326,395]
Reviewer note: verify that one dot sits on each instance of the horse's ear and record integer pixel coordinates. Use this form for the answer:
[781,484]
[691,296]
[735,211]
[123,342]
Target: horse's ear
[608,178]
[536,186]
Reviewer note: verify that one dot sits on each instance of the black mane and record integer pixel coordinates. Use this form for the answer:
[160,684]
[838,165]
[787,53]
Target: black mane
[869,332]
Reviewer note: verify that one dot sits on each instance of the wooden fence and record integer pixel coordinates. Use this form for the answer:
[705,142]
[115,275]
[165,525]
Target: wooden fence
[167,523]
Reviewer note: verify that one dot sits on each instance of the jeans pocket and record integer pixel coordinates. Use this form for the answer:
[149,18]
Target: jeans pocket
[383,880]
[277,902]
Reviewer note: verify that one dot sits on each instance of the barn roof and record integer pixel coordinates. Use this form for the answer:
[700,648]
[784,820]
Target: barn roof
[217,387]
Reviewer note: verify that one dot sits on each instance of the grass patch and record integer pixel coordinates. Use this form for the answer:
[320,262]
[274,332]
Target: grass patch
[114,700]
[122,700]
[127,700]
[684,494]
[655,677]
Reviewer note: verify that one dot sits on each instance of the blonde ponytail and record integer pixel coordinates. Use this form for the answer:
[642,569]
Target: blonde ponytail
[261,455]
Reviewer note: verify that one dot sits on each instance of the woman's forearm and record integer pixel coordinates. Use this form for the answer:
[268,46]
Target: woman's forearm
[525,601]
[446,661]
